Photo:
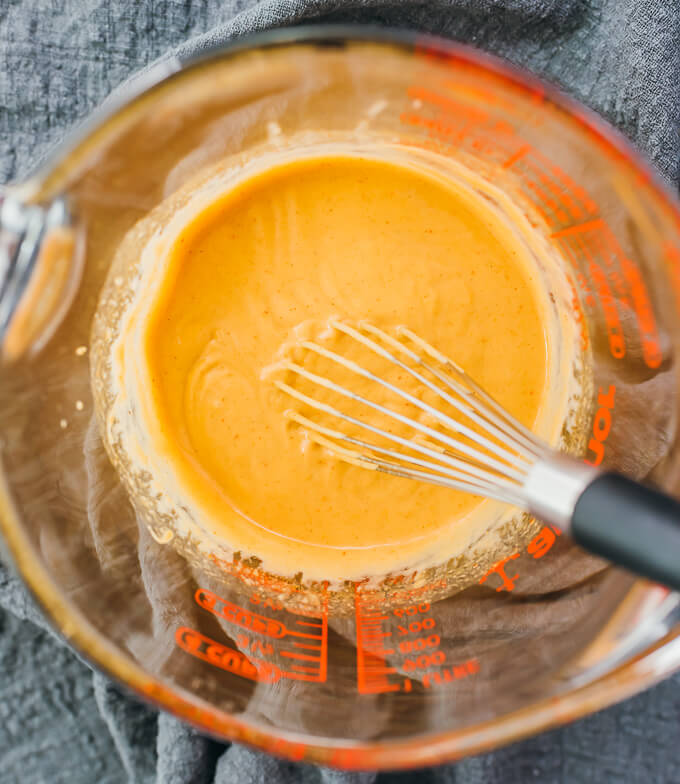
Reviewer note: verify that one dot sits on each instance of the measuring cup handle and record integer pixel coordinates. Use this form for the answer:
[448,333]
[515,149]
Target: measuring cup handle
[632,525]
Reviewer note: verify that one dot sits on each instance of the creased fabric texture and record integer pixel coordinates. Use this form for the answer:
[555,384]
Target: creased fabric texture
[59,722]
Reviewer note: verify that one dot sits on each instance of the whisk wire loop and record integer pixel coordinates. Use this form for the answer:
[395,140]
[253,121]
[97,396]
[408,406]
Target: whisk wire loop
[492,459]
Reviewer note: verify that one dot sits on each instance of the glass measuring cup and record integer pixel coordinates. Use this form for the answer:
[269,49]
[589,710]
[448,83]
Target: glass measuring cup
[355,677]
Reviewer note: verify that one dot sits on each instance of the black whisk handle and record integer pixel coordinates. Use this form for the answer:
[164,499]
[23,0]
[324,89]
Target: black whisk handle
[632,525]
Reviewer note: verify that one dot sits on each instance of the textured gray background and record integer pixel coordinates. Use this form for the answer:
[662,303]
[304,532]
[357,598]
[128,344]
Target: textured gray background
[58,59]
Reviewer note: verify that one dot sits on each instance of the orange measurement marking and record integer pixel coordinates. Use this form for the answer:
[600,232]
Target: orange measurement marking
[202,647]
[589,205]
[523,150]
[302,634]
[435,126]
[479,93]
[649,335]
[541,196]
[540,545]
[632,286]
[578,310]
[266,602]
[419,644]
[542,193]
[544,185]
[400,612]
[302,656]
[301,668]
[617,345]
[448,131]
[445,133]
[239,615]
[449,674]
[262,648]
[602,423]
[559,190]
[580,228]
[459,121]
[378,667]
[570,253]
[447,104]
[425,661]
[275,630]
[536,204]
[372,669]
[507,583]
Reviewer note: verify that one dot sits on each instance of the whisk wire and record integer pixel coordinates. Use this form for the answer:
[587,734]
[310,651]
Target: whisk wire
[459,474]
[492,459]
[480,416]
[452,443]
[442,418]
[502,417]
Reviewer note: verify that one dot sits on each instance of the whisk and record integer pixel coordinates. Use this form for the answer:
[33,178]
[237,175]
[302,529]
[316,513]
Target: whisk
[473,444]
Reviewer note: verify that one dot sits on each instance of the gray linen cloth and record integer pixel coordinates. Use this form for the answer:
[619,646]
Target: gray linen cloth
[59,722]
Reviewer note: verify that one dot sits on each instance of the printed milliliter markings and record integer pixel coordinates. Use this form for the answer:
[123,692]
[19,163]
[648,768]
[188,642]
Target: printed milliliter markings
[396,647]
[285,646]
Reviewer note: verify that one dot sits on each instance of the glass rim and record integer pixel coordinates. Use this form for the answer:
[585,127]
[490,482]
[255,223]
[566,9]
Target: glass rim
[654,663]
